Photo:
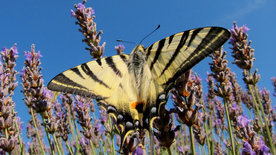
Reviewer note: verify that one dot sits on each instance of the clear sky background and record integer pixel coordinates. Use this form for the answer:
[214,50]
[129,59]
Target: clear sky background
[49,25]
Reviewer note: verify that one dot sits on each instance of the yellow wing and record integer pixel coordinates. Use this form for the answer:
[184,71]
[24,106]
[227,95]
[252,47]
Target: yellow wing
[106,80]
[174,55]
[97,79]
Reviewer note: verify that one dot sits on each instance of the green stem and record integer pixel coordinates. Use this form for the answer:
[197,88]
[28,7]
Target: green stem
[192,140]
[207,136]
[185,136]
[60,145]
[69,148]
[250,115]
[104,147]
[204,151]
[57,144]
[37,133]
[255,105]
[19,138]
[254,100]
[75,129]
[265,120]
[48,137]
[169,150]
[237,147]
[229,126]
[212,136]
[92,147]
[71,127]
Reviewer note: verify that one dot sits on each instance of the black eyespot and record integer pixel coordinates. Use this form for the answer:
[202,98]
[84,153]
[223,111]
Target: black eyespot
[139,107]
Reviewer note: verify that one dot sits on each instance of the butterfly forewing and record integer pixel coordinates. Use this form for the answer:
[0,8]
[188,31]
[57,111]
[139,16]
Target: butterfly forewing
[172,56]
[98,79]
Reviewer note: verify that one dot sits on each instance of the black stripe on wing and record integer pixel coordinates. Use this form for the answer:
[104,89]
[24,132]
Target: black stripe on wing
[77,71]
[170,39]
[177,51]
[158,52]
[87,71]
[111,64]
[193,36]
[61,83]
[149,51]
[99,62]
[61,78]
[124,58]
[192,60]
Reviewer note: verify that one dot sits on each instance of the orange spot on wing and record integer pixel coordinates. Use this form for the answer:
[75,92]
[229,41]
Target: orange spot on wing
[134,104]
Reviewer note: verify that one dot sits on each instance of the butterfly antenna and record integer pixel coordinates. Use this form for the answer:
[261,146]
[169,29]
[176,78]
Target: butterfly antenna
[123,41]
[149,34]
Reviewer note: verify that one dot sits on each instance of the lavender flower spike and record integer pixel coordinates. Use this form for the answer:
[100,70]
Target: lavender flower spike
[85,17]
[9,129]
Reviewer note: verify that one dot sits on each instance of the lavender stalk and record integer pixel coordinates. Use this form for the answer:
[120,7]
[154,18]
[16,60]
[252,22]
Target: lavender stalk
[244,58]
[222,73]
[9,130]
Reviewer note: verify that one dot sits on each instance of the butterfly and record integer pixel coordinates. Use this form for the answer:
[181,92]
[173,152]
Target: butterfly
[133,87]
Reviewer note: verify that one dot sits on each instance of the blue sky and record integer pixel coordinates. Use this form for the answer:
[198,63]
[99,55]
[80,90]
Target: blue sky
[49,25]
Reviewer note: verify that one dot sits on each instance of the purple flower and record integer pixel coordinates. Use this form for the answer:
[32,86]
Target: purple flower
[90,11]
[81,7]
[234,106]
[73,13]
[4,50]
[47,93]
[245,29]
[138,151]
[217,122]
[38,55]
[120,49]
[80,104]
[180,149]
[243,121]
[120,46]
[262,147]
[14,50]
[28,56]
[247,149]
[103,116]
